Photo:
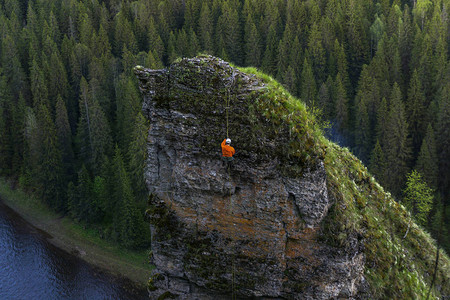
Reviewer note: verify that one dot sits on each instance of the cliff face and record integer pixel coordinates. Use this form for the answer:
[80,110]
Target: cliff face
[258,223]
[264,229]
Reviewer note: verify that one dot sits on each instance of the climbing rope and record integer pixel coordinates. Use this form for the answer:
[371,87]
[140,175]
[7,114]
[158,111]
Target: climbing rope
[233,270]
[228,99]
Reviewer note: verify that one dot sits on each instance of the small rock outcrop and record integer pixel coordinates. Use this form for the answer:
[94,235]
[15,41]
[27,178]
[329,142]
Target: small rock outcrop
[252,232]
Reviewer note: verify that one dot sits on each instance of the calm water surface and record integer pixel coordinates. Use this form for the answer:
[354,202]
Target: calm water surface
[32,268]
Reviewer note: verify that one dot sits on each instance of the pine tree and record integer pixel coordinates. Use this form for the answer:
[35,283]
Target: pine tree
[129,228]
[284,49]
[427,162]
[324,99]
[377,163]
[154,41]
[12,68]
[124,36]
[443,139]
[38,85]
[341,103]
[362,131]
[17,137]
[6,101]
[81,196]
[64,137]
[228,33]
[93,136]
[206,28]
[308,86]
[252,43]
[137,155]
[182,44]
[381,126]
[194,46]
[268,63]
[151,62]
[172,48]
[128,105]
[317,53]
[57,82]
[49,176]
[418,197]
[397,147]
[416,112]
[376,31]
[290,80]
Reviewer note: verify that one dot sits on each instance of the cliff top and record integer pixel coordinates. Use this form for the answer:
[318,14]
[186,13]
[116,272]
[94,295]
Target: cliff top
[276,137]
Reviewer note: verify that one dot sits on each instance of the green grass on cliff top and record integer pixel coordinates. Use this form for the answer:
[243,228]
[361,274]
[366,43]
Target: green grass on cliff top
[397,266]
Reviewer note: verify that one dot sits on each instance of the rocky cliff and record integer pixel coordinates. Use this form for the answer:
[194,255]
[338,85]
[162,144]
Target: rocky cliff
[292,219]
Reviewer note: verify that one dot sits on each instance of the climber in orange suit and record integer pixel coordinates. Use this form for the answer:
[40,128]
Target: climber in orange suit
[227,152]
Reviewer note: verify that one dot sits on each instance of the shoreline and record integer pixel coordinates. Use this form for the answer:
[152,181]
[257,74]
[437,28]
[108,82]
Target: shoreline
[71,237]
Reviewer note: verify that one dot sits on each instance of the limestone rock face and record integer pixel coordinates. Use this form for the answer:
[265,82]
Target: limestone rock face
[253,231]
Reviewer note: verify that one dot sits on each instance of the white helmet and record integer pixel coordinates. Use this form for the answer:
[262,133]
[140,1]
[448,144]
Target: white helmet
[228,141]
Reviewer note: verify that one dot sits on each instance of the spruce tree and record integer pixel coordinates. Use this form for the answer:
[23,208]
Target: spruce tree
[381,126]
[397,147]
[341,103]
[155,42]
[129,228]
[427,162]
[228,33]
[252,43]
[284,49]
[317,53]
[268,63]
[93,136]
[290,80]
[418,197]
[17,134]
[182,43]
[362,131]
[128,105]
[50,184]
[124,36]
[6,101]
[377,163]
[416,112]
[38,85]
[206,28]
[64,136]
[443,139]
[137,155]
[81,197]
[308,84]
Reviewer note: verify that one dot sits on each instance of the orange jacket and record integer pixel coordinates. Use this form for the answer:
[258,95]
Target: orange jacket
[227,151]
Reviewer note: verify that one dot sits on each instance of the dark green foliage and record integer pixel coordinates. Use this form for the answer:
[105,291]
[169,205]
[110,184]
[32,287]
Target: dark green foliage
[427,162]
[416,111]
[377,163]
[308,84]
[129,228]
[418,197]
[79,54]
[137,155]
[93,135]
[64,137]
[443,138]
[397,146]
[49,182]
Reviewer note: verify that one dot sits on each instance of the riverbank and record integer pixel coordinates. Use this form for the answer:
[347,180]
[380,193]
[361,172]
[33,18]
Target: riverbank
[70,236]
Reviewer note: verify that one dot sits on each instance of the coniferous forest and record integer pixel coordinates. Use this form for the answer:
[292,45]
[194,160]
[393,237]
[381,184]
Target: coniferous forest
[71,128]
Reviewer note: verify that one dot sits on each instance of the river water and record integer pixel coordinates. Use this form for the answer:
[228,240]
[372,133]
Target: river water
[32,268]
